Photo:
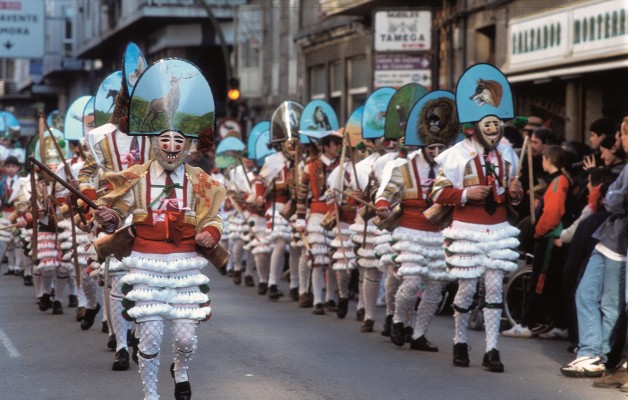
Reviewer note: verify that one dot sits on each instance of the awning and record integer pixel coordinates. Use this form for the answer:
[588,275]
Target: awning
[566,72]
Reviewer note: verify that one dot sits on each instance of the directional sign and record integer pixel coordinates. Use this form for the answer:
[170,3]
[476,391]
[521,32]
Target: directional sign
[22,28]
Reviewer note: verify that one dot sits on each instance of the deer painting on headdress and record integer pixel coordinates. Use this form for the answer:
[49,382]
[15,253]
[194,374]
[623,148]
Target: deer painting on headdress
[166,105]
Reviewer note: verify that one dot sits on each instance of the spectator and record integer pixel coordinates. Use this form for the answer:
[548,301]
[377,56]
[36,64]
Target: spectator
[580,244]
[545,284]
[600,296]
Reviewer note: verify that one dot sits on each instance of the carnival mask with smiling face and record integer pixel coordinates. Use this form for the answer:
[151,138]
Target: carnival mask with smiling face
[489,131]
[170,149]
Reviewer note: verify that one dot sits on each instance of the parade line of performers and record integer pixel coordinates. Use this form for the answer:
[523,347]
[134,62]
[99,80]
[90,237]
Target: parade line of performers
[416,189]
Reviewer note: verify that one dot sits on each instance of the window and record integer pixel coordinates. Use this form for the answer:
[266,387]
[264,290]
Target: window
[485,44]
[249,31]
[358,82]
[317,82]
[68,37]
[336,85]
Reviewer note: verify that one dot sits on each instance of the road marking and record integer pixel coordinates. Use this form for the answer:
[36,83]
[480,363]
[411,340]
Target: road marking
[6,342]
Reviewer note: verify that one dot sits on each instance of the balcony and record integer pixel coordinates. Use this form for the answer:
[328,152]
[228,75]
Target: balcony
[119,22]
[365,7]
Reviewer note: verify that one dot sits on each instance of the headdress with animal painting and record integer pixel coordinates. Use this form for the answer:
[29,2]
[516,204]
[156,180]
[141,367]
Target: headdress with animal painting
[433,120]
[484,98]
[172,97]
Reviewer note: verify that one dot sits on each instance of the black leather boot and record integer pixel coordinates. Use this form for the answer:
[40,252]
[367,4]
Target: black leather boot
[492,362]
[274,293]
[45,303]
[90,316]
[423,344]
[121,362]
[396,334]
[461,355]
[262,288]
[182,390]
[57,307]
[387,326]
[343,307]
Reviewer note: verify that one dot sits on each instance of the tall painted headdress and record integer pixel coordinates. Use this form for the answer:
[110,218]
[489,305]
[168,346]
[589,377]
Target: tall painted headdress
[51,149]
[56,119]
[318,120]
[133,66]
[284,123]
[105,99]
[353,127]
[374,115]
[256,132]
[8,123]
[399,108]
[79,119]
[228,151]
[433,119]
[173,95]
[483,90]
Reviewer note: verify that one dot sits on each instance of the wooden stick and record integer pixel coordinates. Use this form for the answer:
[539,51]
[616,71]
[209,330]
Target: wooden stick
[530,184]
[523,154]
[364,203]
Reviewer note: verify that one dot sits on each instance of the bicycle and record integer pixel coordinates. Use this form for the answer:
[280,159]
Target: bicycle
[516,295]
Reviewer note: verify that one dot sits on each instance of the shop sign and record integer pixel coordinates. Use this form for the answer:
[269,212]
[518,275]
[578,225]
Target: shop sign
[402,30]
[398,69]
[575,33]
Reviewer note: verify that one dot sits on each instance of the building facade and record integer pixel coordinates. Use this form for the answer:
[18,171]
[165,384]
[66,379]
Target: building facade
[565,59]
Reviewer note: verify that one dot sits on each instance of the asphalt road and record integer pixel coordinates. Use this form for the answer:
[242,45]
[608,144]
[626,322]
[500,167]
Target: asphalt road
[259,350]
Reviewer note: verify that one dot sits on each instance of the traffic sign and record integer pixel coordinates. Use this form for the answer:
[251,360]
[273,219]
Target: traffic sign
[22,28]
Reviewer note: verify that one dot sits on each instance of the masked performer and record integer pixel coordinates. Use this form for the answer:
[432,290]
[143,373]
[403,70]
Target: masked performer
[418,242]
[175,215]
[314,183]
[477,178]
[113,150]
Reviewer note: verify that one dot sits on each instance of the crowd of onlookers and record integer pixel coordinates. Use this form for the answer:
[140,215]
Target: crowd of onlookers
[575,230]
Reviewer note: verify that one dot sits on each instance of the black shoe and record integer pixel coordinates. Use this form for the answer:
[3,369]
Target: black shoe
[121,362]
[72,301]
[423,344]
[396,334]
[237,277]
[294,294]
[492,362]
[90,316]
[112,343]
[248,281]
[9,272]
[262,288]
[274,293]
[343,308]
[230,273]
[461,355]
[330,306]
[105,327]
[28,280]
[318,309]
[387,326]
[44,302]
[359,314]
[182,390]
[367,326]
[223,270]
[407,333]
[57,307]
